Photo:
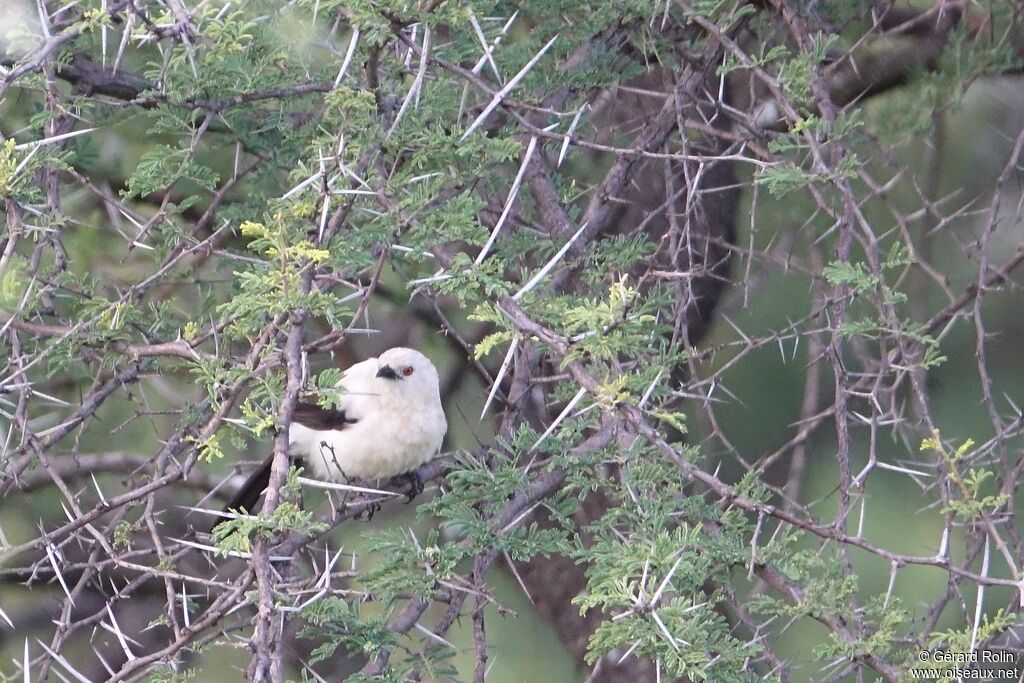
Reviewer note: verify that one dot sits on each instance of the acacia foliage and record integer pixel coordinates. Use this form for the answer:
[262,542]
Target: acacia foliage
[202,199]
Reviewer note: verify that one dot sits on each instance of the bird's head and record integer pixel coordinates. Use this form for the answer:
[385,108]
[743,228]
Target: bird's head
[408,373]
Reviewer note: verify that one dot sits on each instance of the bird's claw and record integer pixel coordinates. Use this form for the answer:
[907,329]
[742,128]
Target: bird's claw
[370,511]
[415,485]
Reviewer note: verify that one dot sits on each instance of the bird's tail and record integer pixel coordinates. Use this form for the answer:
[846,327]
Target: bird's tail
[248,495]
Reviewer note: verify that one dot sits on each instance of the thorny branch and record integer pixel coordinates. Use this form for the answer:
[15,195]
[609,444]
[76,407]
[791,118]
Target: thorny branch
[131,537]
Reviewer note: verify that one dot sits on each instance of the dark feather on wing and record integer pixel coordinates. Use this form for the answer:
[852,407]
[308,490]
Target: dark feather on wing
[317,417]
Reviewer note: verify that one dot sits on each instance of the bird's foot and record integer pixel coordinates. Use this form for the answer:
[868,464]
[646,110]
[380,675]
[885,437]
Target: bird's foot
[413,481]
[370,511]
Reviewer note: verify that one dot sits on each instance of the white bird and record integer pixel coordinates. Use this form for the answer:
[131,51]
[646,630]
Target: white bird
[389,422]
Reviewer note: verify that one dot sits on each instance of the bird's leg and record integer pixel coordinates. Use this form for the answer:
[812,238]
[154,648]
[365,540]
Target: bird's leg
[416,484]
[372,510]
[414,481]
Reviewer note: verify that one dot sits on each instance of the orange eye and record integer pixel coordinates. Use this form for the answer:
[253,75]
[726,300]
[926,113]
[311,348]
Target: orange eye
[407,370]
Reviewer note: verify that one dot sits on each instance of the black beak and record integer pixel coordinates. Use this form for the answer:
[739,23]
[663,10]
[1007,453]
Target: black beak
[387,373]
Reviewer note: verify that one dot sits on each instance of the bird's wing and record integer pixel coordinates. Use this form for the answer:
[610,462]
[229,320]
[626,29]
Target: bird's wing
[317,417]
[361,390]
[357,383]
